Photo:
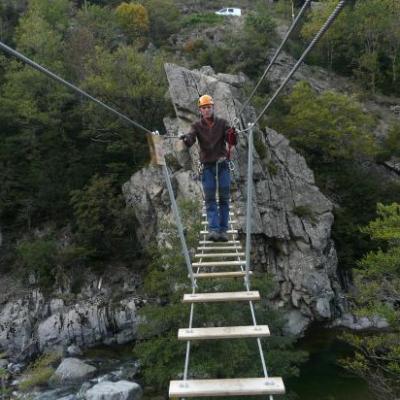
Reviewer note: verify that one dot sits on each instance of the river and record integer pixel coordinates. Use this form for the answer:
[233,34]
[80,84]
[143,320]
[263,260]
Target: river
[321,378]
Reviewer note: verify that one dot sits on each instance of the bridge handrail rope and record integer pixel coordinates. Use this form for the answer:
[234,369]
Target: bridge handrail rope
[312,44]
[275,56]
[69,85]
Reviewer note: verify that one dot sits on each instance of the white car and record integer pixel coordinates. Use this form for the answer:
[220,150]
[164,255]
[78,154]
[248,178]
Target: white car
[235,12]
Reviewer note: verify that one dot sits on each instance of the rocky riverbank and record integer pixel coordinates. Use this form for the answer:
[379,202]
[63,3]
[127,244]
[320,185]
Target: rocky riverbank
[105,373]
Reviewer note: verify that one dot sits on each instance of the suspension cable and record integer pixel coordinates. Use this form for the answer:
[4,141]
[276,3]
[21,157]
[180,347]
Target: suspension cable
[278,51]
[69,85]
[317,37]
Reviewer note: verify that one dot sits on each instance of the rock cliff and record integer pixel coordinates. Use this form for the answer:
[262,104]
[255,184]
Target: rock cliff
[31,323]
[292,219]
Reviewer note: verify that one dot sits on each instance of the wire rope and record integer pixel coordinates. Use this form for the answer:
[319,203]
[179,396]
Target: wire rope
[69,85]
[275,56]
[312,44]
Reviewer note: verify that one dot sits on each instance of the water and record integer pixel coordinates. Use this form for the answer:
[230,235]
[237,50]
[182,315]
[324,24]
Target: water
[321,378]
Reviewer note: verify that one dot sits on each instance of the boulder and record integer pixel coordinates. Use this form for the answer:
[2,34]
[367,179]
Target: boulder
[291,218]
[354,322]
[121,390]
[74,350]
[72,370]
[31,324]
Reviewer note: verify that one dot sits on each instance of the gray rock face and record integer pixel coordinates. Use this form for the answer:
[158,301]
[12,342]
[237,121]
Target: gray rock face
[74,350]
[72,370]
[121,390]
[353,322]
[30,323]
[292,219]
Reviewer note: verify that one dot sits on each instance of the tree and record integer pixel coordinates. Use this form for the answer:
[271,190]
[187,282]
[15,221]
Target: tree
[377,357]
[103,223]
[133,18]
[328,126]
[163,17]
[364,41]
[135,83]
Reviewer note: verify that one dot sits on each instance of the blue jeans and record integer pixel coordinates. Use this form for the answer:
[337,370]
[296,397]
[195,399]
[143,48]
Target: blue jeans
[217,216]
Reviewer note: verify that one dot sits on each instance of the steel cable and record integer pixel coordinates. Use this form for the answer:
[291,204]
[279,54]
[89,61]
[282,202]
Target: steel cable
[69,85]
[275,56]
[315,40]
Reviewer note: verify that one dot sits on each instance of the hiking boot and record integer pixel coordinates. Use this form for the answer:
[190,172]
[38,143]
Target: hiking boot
[222,237]
[213,236]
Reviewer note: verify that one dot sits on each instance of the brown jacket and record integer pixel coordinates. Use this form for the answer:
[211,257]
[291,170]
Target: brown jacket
[212,140]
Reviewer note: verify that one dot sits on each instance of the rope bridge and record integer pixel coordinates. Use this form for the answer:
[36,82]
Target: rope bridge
[213,256]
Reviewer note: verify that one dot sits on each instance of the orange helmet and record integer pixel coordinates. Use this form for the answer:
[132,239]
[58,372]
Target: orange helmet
[205,100]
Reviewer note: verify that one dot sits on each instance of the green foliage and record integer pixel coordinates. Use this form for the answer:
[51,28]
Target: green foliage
[304,212]
[4,390]
[391,144]
[133,18]
[377,357]
[52,143]
[243,48]
[164,18]
[329,126]
[101,24]
[259,145]
[135,82]
[103,223]
[159,351]
[363,41]
[335,136]
[204,18]
[43,256]
[39,373]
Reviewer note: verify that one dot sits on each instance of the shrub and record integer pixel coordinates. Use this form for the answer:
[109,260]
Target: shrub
[39,256]
[133,18]
[202,19]
[304,212]
[39,373]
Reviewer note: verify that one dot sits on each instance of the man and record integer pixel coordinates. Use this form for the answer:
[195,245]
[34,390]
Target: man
[214,136]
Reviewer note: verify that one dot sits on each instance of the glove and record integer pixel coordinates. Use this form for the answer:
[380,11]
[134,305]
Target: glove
[231,136]
[184,139]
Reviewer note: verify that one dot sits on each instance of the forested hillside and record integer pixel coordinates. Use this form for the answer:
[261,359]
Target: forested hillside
[63,160]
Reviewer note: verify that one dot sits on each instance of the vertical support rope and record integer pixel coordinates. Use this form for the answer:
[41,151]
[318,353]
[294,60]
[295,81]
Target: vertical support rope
[315,40]
[249,200]
[179,225]
[275,56]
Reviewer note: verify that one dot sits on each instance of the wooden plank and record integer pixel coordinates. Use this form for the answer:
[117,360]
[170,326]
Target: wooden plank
[234,231]
[220,248]
[219,264]
[226,387]
[232,221]
[205,214]
[211,242]
[227,274]
[221,296]
[208,255]
[224,332]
